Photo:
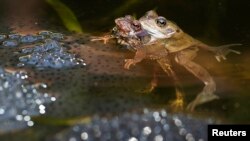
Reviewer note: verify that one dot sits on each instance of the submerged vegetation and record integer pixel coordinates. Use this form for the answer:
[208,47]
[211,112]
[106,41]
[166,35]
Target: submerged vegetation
[67,16]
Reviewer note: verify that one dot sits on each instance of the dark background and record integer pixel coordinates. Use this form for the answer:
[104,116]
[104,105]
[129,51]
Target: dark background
[213,20]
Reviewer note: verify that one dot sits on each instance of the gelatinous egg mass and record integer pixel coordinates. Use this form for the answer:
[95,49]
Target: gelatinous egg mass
[49,55]
[19,100]
[134,126]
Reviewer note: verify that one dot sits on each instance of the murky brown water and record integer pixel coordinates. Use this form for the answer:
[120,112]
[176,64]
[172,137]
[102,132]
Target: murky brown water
[105,88]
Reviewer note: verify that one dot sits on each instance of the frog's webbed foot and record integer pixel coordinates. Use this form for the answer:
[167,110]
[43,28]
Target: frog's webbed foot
[105,38]
[147,90]
[201,98]
[178,103]
[222,51]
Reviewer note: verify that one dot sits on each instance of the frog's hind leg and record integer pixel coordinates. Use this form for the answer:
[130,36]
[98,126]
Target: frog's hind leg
[179,101]
[185,58]
[223,50]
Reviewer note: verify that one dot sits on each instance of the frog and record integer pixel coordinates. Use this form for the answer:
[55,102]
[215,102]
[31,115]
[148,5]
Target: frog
[168,38]
[162,40]
[128,31]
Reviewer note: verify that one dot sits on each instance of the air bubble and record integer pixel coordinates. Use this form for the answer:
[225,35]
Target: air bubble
[2,111]
[182,131]
[53,99]
[157,116]
[28,101]
[26,118]
[84,136]
[163,113]
[158,138]
[133,139]
[19,117]
[72,139]
[189,137]
[177,122]
[30,123]
[146,130]
[166,127]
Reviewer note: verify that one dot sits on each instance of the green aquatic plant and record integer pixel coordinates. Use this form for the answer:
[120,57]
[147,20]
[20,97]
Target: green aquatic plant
[67,16]
[61,121]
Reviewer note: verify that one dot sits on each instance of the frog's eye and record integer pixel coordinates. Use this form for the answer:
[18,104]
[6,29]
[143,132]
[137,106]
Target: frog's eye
[161,21]
[114,30]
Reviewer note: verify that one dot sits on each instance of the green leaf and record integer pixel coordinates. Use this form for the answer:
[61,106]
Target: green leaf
[67,16]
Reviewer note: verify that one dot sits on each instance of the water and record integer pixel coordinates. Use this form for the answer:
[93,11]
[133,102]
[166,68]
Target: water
[103,88]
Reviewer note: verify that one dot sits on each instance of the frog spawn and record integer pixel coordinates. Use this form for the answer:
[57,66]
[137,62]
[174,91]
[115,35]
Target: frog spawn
[19,100]
[42,50]
[15,39]
[49,55]
[148,126]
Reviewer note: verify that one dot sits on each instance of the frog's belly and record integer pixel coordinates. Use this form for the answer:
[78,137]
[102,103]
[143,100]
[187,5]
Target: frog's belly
[172,49]
[180,44]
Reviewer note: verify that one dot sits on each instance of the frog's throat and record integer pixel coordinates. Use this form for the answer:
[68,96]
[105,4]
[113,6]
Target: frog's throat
[154,32]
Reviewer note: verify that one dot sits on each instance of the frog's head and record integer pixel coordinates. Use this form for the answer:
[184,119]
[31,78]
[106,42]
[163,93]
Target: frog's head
[128,26]
[158,26]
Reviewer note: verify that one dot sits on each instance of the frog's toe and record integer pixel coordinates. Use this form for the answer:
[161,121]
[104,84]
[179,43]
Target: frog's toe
[104,39]
[128,63]
[224,50]
[150,88]
[201,99]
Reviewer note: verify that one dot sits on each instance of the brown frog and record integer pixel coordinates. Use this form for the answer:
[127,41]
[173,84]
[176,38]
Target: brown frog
[161,38]
[128,31]
[166,38]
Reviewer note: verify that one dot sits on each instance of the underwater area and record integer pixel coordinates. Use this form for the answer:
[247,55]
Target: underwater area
[56,84]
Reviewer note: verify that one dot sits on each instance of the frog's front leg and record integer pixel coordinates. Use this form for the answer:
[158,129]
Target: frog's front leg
[139,56]
[184,58]
[105,38]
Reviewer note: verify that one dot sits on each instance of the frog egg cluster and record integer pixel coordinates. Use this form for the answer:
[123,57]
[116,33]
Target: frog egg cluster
[14,40]
[44,51]
[149,126]
[19,100]
[50,54]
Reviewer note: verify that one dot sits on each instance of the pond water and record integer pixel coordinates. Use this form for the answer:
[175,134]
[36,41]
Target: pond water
[89,86]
